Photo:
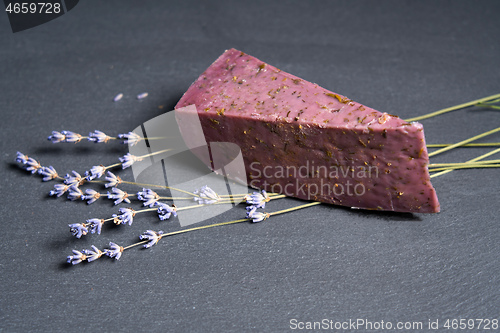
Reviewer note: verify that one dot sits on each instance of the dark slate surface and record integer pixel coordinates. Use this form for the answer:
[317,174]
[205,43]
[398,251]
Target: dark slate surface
[401,57]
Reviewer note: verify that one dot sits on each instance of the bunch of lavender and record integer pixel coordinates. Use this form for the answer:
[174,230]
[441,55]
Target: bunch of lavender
[203,196]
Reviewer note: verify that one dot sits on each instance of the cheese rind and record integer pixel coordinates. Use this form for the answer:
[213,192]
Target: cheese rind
[302,140]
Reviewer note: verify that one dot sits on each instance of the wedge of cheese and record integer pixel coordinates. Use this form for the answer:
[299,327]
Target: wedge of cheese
[304,141]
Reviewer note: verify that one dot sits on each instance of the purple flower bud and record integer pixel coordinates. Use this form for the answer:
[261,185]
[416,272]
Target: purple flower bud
[95,225]
[78,229]
[130,138]
[115,251]
[206,196]
[256,216]
[152,236]
[258,199]
[59,190]
[74,193]
[21,158]
[33,165]
[73,180]
[76,258]
[112,179]
[56,137]
[164,211]
[119,196]
[49,173]
[71,136]
[128,159]
[149,197]
[93,254]
[91,196]
[126,216]
[99,137]
[96,172]
[118,97]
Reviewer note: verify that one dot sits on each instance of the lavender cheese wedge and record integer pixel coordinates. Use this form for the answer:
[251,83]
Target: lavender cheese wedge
[304,141]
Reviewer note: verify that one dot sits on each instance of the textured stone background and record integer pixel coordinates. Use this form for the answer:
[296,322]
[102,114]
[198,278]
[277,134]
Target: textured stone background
[401,57]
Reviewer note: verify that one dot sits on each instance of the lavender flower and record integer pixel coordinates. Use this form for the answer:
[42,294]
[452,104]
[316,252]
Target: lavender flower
[59,190]
[78,229]
[99,137]
[56,137]
[118,97]
[130,138]
[142,96]
[21,158]
[49,173]
[96,172]
[71,136]
[149,197]
[152,236]
[128,159]
[258,199]
[126,216]
[115,251]
[73,180]
[256,216]
[164,211]
[33,165]
[76,258]
[91,196]
[95,225]
[74,193]
[93,254]
[119,196]
[206,196]
[112,179]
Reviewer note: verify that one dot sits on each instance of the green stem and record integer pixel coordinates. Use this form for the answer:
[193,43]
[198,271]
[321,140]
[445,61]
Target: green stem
[438,165]
[226,223]
[453,108]
[469,166]
[470,161]
[440,145]
[461,143]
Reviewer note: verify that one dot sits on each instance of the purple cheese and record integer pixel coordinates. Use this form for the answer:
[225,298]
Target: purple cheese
[304,141]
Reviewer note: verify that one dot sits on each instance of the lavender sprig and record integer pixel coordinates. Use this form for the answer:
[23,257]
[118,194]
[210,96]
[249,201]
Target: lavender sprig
[65,136]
